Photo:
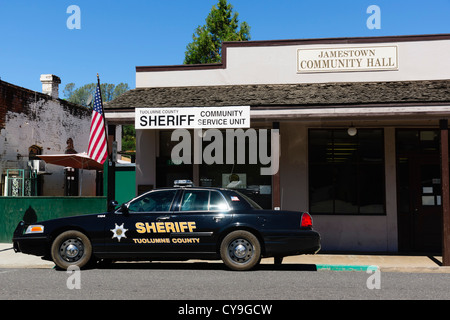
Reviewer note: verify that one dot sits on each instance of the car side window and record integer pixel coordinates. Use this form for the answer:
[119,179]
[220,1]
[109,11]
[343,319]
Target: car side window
[217,201]
[153,201]
[195,200]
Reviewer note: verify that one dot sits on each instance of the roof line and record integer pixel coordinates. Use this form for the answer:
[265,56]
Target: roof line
[287,42]
[42,95]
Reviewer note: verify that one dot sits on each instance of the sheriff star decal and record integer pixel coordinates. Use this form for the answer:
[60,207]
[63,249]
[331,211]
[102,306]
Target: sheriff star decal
[119,232]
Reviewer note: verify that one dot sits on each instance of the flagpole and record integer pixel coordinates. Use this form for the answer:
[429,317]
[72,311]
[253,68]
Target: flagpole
[111,174]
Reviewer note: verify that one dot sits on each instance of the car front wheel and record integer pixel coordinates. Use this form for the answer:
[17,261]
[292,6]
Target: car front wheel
[71,248]
[240,250]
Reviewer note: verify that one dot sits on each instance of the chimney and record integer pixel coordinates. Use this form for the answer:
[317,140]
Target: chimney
[50,84]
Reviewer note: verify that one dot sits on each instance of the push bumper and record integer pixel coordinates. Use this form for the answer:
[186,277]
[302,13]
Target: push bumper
[31,245]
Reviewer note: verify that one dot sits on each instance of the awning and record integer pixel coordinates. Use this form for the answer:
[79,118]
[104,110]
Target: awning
[77,161]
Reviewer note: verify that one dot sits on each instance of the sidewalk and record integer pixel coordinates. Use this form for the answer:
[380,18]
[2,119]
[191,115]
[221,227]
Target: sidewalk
[335,262]
[10,259]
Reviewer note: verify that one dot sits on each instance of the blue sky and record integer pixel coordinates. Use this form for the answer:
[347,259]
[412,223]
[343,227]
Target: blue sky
[116,36]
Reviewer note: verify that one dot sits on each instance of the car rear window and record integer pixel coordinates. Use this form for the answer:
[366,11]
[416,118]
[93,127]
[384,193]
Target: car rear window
[238,201]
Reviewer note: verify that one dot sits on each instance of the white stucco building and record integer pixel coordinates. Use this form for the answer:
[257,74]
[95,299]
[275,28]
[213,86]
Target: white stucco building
[376,187]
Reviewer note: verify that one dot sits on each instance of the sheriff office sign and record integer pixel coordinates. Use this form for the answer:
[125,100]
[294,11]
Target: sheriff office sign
[193,118]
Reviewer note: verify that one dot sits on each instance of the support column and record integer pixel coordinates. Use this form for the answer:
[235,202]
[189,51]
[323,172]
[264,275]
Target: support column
[276,189]
[111,192]
[146,153]
[445,193]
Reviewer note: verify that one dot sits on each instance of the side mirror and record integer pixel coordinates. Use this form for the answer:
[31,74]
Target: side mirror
[112,205]
[124,210]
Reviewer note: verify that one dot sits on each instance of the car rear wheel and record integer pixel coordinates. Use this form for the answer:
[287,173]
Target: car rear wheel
[71,248]
[240,250]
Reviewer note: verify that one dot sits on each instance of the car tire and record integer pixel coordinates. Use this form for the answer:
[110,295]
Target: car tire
[240,250]
[71,248]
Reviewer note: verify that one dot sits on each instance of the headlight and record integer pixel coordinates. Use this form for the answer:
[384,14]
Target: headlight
[36,228]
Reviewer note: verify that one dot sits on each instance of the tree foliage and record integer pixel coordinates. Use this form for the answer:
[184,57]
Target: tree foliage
[128,137]
[81,95]
[221,25]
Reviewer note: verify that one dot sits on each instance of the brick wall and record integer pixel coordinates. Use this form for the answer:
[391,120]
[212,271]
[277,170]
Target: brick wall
[32,118]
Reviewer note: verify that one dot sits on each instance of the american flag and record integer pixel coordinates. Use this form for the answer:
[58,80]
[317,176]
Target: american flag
[97,139]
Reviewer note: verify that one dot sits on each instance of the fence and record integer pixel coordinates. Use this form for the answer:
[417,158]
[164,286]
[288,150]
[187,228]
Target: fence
[12,210]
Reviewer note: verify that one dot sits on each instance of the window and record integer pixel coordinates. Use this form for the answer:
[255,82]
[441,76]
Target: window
[202,200]
[239,201]
[34,184]
[346,174]
[195,200]
[243,173]
[153,201]
[33,152]
[217,202]
[167,171]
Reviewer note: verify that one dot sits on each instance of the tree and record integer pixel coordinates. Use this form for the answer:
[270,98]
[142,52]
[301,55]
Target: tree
[221,25]
[81,95]
[128,138]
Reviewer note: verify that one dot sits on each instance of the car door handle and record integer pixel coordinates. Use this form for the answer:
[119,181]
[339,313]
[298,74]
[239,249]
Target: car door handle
[217,218]
[163,218]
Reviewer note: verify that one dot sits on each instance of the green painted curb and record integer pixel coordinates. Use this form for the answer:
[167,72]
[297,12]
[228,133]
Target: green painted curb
[338,267]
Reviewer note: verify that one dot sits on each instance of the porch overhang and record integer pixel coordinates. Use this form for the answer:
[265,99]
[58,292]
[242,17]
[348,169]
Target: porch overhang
[302,102]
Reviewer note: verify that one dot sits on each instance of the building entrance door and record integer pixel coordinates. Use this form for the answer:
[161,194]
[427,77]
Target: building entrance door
[419,194]
[426,204]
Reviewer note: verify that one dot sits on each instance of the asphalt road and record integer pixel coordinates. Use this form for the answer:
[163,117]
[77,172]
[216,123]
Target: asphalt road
[205,281]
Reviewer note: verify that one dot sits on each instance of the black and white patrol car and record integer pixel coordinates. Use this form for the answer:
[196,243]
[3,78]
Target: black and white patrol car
[178,223]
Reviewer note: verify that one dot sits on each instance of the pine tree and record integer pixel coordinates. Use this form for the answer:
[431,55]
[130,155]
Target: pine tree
[221,25]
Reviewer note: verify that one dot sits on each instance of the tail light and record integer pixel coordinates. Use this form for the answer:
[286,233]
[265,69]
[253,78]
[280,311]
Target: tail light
[306,220]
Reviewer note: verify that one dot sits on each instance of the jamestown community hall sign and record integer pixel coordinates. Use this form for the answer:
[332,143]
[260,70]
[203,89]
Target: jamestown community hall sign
[347,59]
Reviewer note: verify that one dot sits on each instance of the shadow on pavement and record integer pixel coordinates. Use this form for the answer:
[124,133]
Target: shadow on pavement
[200,266]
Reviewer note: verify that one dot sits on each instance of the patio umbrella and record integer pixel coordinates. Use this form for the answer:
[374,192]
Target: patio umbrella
[76,160]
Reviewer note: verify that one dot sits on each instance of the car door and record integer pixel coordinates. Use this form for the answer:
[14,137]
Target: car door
[200,216]
[138,229]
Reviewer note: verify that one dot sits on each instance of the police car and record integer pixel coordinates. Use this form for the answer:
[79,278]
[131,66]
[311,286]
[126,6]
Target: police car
[178,223]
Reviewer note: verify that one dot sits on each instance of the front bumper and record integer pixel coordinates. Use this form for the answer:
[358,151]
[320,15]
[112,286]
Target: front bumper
[31,245]
[34,244]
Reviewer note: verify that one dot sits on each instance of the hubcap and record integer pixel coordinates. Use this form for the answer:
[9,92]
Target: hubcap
[71,250]
[240,250]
